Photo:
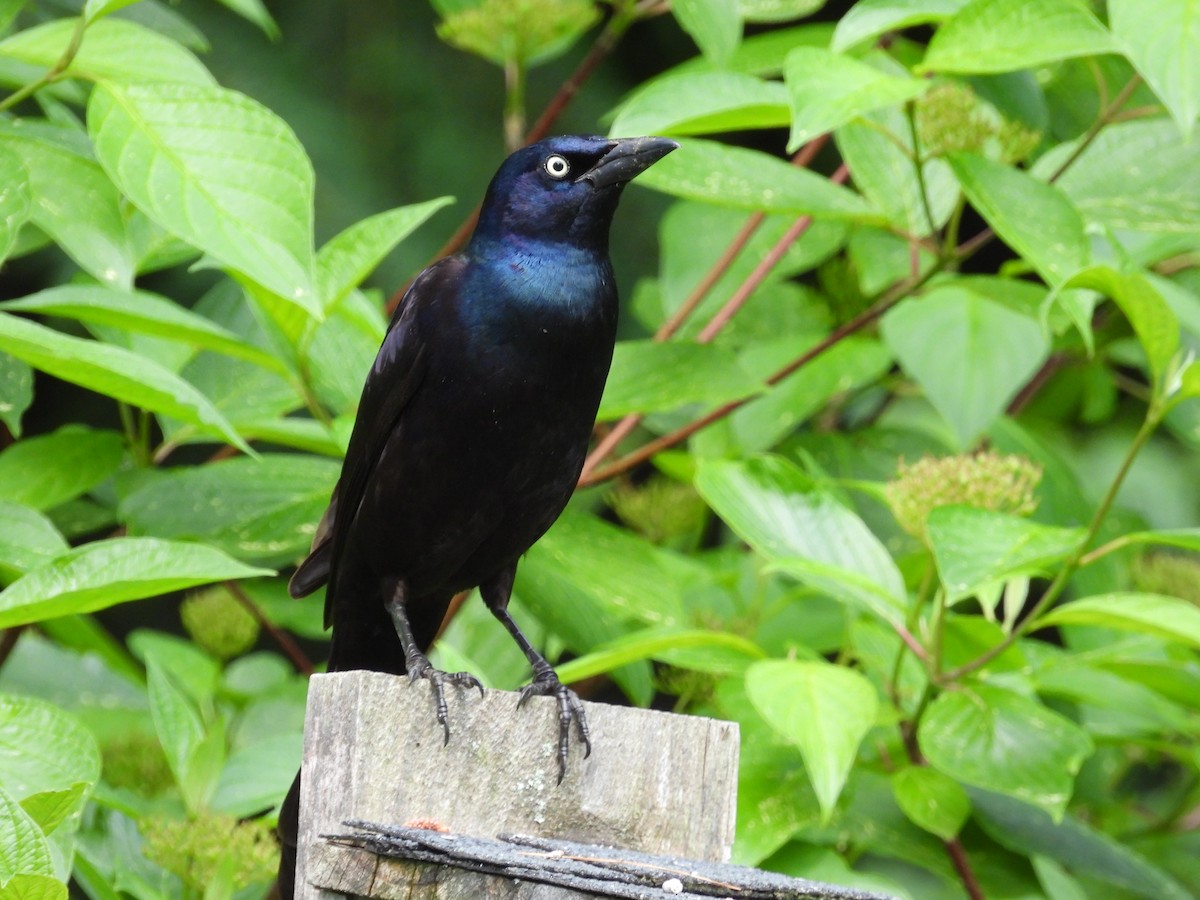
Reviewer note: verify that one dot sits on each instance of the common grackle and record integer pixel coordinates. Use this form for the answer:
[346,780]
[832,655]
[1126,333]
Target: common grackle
[473,424]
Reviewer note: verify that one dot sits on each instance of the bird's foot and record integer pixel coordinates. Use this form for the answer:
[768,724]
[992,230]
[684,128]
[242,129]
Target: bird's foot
[420,667]
[546,684]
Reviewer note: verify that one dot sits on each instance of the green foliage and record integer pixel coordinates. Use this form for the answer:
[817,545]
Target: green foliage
[929,537]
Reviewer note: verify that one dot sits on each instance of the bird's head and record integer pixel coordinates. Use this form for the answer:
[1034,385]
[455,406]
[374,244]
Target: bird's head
[564,188]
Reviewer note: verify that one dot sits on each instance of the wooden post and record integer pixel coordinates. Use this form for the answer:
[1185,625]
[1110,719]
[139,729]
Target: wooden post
[373,750]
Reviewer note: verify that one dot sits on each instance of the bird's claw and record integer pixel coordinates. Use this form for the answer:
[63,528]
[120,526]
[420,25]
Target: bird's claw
[439,680]
[546,684]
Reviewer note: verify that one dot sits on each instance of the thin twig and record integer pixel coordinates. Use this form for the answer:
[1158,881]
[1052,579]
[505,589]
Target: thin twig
[281,637]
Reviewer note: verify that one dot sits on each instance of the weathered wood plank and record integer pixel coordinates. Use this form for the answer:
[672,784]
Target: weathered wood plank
[374,750]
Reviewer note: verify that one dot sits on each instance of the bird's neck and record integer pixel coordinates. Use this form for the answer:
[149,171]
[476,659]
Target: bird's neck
[545,276]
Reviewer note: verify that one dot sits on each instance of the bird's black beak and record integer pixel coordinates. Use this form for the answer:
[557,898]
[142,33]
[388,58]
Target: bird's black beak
[628,158]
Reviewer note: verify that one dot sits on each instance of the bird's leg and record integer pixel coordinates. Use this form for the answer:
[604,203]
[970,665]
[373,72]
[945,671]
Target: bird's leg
[496,593]
[417,664]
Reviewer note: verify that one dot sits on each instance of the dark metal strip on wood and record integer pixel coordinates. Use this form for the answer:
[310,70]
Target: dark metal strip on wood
[602,871]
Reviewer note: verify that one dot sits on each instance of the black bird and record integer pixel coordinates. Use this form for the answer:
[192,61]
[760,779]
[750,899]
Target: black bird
[474,423]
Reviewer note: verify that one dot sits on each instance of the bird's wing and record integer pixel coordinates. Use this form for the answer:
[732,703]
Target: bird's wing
[394,377]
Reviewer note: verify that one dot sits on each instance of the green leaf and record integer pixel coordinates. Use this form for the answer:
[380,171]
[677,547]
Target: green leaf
[256,777]
[1083,849]
[51,808]
[778,10]
[986,353]
[1169,618]
[352,255]
[774,507]
[112,50]
[880,155]
[868,19]
[145,313]
[1005,35]
[978,548]
[45,471]
[1113,183]
[1152,319]
[648,376]
[521,32]
[697,649]
[1161,38]
[96,9]
[104,573]
[16,199]
[44,749]
[715,26]
[703,102]
[824,709]
[23,848]
[255,11]
[74,202]
[999,740]
[16,392]
[828,90]
[261,509]
[217,169]
[35,887]
[932,800]
[746,179]
[342,350]
[27,541]
[1183,538]
[1034,218]
[112,371]
[176,721]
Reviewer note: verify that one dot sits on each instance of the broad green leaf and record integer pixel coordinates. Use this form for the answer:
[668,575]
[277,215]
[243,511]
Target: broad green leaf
[142,312]
[762,54]
[932,800]
[352,255]
[828,90]
[824,709]
[342,350]
[43,749]
[192,669]
[50,469]
[993,738]
[256,12]
[648,376]
[35,887]
[868,19]
[986,352]
[880,155]
[703,102]
[112,371]
[777,10]
[774,507]
[27,541]
[746,179]
[843,368]
[74,202]
[16,199]
[1034,218]
[1005,35]
[1080,847]
[23,848]
[1152,319]
[261,509]
[176,721]
[520,33]
[96,9]
[112,50]
[104,573]
[51,808]
[715,25]
[16,391]
[1161,38]
[217,169]
[697,649]
[977,548]
[256,777]
[1169,618]
[1138,175]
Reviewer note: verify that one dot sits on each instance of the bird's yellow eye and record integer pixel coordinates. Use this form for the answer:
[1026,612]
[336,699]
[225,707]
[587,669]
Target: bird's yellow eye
[557,166]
